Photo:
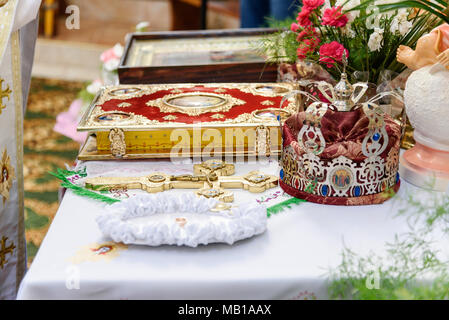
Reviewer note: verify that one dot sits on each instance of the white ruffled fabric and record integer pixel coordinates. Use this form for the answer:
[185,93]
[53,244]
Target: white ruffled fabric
[157,219]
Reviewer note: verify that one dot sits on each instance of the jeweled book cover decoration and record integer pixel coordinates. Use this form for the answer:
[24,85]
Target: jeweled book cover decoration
[145,121]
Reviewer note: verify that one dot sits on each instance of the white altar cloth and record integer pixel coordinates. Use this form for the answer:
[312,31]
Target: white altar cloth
[289,261]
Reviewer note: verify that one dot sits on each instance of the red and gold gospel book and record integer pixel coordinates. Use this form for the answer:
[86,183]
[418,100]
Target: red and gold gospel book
[155,121]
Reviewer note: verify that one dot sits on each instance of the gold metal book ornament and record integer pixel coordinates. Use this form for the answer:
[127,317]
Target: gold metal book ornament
[182,120]
[211,178]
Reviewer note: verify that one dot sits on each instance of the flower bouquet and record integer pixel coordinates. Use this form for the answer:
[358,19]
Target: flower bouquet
[367,32]
[324,30]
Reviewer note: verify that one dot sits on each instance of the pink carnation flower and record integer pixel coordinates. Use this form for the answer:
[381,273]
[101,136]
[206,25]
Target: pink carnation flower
[331,53]
[307,32]
[108,55]
[67,122]
[294,27]
[307,46]
[334,17]
[303,18]
[308,40]
[312,4]
[113,53]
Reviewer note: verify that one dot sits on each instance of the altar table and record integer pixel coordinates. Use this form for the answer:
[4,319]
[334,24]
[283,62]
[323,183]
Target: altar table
[289,261]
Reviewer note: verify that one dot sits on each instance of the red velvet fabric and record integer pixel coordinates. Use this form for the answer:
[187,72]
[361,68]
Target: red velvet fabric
[343,131]
[139,107]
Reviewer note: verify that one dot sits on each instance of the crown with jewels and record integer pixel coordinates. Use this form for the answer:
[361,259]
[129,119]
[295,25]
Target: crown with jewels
[353,165]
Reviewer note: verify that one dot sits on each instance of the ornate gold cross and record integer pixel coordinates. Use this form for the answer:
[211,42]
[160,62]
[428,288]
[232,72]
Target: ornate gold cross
[4,251]
[3,94]
[211,178]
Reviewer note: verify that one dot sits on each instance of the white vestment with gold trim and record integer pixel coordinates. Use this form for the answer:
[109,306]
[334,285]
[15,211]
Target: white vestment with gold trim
[14,15]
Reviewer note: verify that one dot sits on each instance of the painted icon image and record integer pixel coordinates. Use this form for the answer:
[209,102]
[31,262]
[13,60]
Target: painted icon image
[113,116]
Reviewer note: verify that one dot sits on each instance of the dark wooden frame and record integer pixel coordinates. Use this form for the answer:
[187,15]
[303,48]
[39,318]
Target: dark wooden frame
[224,72]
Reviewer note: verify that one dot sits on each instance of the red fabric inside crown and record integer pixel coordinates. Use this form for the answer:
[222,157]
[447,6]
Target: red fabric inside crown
[343,132]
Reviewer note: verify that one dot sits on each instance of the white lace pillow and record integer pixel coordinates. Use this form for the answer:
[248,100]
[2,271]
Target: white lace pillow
[180,219]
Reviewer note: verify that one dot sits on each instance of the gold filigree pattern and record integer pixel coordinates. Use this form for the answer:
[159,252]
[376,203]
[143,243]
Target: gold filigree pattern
[4,93]
[88,122]
[263,140]
[118,145]
[217,116]
[226,102]
[392,161]
[267,103]
[4,250]
[124,105]
[110,93]
[170,117]
[7,175]
[139,121]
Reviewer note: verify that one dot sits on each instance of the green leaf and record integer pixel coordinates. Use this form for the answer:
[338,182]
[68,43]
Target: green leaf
[31,249]
[45,196]
[428,6]
[34,220]
[287,204]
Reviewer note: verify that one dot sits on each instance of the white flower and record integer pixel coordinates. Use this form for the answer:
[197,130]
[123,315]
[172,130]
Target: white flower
[375,40]
[111,64]
[352,16]
[142,26]
[118,50]
[347,31]
[400,23]
[373,21]
[405,27]
[94,87]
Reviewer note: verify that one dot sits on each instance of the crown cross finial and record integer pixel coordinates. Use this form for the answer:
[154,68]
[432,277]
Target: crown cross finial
[344,59]
[343,90]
